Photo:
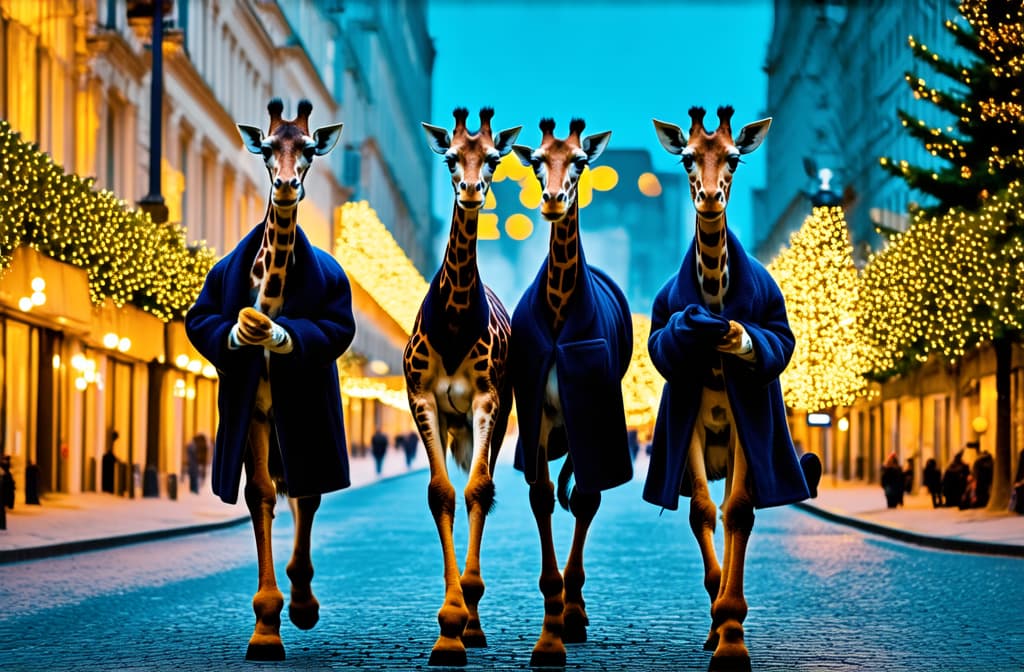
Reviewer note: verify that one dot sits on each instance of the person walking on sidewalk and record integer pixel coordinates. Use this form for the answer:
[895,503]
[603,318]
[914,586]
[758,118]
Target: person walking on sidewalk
[379,446]
[954,481]
[892,481]
[933,481]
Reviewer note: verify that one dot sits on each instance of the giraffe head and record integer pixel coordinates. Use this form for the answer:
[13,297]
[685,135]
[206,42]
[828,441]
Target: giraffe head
[711,158]
[472,158]
[558,164]
[288,150]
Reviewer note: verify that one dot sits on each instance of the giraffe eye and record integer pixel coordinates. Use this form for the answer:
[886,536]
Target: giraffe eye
[309,152]
[492,161]
[267,151]
[535,162]
[450,160]
[580,162]
[733,160]
[688,162]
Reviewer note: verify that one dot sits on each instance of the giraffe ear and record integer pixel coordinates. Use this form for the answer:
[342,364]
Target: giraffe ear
[503,139]
[594,145]
[752,135]
[524,154]
[437,138]
[670,136]
[326,138]
[252,138]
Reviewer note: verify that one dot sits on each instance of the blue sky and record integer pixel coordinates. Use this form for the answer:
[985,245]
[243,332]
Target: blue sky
[617,64]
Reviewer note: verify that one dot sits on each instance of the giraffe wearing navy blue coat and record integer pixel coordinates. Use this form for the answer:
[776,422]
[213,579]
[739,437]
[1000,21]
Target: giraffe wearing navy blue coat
[572,340]
[720,337]
[274,315]
[455,368]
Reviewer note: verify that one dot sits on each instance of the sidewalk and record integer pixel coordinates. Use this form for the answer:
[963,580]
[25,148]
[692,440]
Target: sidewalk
[916,522]
[64,524]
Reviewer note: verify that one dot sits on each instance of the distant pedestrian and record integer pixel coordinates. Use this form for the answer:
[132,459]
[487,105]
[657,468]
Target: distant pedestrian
[379,447]
[983,471]
[954,481]
[108,465]
[9,486]
[1017,489]
[933,481]
[892,481]
[412,443]
[908,476]
[195,455]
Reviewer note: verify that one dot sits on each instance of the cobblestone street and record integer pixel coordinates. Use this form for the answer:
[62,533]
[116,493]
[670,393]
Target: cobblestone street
[822,597]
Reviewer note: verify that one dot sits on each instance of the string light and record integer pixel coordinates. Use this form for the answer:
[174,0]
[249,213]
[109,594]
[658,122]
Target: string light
[944,286]
[129,259]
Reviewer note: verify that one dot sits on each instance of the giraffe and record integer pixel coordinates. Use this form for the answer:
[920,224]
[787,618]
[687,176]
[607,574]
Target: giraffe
[316,324]
[455,373]
[731,345]
[568,328]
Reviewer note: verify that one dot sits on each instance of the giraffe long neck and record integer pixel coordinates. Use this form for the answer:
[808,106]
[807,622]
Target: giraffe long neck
[712,261]
[271,264]
[459,274]
[563,266]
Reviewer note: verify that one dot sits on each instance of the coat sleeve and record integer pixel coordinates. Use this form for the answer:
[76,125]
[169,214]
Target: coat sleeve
[207,324]
[321,338]
[771,337]
[682,341]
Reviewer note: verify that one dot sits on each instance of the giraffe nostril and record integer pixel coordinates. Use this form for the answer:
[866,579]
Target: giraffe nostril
[462,185]
[480,186]
[561,197]
[277,183]
[547,197]
[294,182]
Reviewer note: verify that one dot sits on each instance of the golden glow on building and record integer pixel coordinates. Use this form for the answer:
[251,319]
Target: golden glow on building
[371,256]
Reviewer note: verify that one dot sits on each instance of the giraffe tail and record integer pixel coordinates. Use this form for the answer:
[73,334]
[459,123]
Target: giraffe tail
[564,476]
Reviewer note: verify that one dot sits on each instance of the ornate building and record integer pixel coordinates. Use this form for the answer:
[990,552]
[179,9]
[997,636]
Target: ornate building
[75,78]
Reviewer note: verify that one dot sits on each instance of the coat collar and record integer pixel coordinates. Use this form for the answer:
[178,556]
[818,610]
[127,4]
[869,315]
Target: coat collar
[581,311]
[303,271]
[743,291]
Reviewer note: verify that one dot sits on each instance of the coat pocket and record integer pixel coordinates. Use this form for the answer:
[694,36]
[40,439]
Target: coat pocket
[588,360]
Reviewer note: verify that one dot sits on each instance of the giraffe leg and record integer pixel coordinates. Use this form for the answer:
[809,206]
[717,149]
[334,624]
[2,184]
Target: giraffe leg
[730,609]
[584,507]
[303,609]
[261,496]
[479,501]
[452,617]
[702,522]
[549,651]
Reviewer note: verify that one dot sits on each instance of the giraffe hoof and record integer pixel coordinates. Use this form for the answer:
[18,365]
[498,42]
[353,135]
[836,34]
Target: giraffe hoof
[575,630]
[304,615]
[265,651]
[547,658]
[729,663]
[474,638]
[448,658]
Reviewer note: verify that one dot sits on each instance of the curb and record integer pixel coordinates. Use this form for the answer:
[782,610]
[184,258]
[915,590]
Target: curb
[69,547]
[102,543]
[942,543]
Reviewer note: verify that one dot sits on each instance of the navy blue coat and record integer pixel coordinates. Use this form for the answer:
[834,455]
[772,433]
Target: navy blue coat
[682,347]
[593,350]
[317,313]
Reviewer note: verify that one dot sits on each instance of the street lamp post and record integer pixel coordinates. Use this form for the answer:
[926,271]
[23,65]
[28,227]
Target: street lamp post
[153,202]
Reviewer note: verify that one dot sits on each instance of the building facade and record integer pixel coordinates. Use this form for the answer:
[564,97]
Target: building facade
[75,78]
[836,79]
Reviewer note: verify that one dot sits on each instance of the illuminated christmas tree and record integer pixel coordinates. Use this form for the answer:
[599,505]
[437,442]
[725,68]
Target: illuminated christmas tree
[819,282]
[983,148]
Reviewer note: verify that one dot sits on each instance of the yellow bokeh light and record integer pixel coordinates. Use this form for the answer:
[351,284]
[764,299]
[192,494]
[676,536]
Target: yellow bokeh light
[511,168]
[530,194]
[649,184]
[604,178]
[519,226]
[585,189]
[487,226]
